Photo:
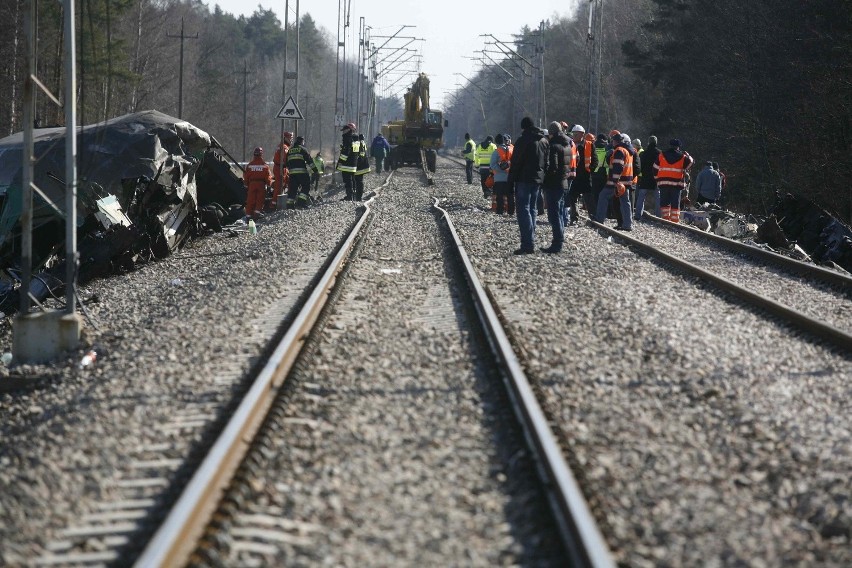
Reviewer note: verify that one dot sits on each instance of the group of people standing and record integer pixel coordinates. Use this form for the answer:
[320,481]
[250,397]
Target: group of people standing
[556,168]
[293,171]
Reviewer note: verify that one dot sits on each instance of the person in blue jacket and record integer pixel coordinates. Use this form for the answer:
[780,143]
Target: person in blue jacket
[379,149]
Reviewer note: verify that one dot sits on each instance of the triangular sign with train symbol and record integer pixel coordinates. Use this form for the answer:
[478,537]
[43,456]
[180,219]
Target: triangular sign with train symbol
[290,110]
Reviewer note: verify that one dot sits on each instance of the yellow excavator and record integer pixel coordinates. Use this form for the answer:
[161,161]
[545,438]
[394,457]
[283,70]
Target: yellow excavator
[416,139]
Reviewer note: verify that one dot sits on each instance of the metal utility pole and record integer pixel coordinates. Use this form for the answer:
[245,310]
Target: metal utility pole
[245,74]
[543,115]
[594,41]
[182,37]
[279,175]
[298,57]
[361,33]
[44,335]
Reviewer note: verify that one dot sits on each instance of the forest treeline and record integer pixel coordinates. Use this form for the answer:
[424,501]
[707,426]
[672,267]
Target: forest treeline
[762,87]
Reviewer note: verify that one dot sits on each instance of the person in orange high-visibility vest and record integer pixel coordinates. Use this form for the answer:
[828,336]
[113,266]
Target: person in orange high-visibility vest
[618,182]
[279,169]
[670,172]
[587,162]
[256,177]
[501,160]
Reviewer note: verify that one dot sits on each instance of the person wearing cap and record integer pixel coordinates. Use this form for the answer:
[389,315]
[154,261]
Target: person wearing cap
[256,177]
[500,161]
[469,153]
[483,162]
[347,162]
[556,183]
[618,182]
[526,174]
[708,184]
[670,171]
[362,168]
[300,165]
[587,162]
[647,181]
[279,169]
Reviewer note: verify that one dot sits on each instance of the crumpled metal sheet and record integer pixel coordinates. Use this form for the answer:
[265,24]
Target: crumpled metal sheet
[137,192]
[825,238]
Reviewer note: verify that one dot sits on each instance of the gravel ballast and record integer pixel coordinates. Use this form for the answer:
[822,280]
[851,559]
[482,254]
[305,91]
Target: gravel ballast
[397,446]
[175,340]
[704,433]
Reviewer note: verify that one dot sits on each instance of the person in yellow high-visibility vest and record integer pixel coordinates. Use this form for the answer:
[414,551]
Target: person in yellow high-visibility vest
[483,162]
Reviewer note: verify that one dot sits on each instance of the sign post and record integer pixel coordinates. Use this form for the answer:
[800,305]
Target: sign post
[290,111]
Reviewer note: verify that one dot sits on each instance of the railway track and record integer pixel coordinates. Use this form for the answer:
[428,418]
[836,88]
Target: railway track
[260,534]
[829,303]
[384,397]
[805,269]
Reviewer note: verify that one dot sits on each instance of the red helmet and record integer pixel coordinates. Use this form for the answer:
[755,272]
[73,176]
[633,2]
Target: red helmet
[351,126]
[258,151]
[288,136]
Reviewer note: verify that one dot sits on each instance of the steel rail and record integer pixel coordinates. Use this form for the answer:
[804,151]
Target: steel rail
[836,336]
[177,536]
[793,265]
[579,532]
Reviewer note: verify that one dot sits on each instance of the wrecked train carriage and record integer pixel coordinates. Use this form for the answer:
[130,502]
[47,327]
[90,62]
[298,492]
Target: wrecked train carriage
[138,191]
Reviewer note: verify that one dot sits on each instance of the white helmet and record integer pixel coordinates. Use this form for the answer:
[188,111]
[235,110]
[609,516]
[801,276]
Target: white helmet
[578,128]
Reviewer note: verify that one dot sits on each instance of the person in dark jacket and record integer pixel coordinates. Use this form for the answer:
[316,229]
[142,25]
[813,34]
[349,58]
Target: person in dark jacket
[647,180]
[631,187]
[526,174]
[347,161]
[379,150]
[556,184]
[708,184]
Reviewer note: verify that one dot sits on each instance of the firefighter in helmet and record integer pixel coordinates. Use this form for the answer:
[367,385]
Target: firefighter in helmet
[300,165]
[347,163]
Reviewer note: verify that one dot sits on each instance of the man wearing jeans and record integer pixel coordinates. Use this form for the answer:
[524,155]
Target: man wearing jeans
[526,174]
[647,181]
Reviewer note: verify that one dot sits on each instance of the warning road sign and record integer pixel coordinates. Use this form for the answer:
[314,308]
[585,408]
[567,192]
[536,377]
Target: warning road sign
[290,110]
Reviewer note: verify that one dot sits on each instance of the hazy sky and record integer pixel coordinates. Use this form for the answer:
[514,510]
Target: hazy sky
[450,29]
